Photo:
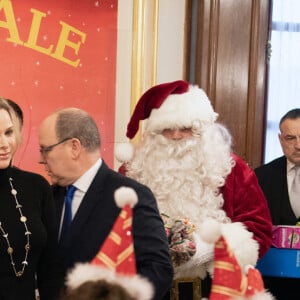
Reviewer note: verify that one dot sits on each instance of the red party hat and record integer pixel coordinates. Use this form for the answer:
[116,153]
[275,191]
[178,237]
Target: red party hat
[115,262]
[117,252]
[230,282]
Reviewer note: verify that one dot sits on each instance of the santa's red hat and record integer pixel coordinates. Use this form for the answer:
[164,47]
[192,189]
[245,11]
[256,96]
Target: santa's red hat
[175,104]
[115,261]
[171,105]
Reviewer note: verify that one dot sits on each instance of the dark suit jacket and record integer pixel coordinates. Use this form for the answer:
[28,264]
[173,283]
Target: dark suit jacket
[272,178]
[96,216]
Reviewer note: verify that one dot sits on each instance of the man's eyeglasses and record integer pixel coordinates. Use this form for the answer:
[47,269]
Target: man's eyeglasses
[46,150]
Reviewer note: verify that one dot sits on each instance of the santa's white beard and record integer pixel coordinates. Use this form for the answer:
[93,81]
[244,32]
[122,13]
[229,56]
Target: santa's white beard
[185,175]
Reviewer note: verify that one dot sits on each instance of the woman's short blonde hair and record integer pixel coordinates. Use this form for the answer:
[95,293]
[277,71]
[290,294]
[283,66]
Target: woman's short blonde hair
[15,117]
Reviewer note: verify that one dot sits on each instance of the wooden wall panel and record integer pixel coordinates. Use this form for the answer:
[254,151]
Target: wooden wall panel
[232,68]
[232,36]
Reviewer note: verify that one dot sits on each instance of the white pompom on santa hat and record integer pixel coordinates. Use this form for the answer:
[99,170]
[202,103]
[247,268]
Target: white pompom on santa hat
[115,261]
[230,282]
[175,104]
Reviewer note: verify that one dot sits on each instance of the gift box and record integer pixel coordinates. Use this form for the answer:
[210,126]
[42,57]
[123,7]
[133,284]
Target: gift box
[286,237]
[280,263]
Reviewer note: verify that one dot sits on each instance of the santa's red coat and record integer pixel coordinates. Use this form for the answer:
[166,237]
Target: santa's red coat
[245,202]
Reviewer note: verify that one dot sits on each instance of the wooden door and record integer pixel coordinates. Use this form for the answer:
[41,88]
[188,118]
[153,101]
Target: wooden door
[231,66]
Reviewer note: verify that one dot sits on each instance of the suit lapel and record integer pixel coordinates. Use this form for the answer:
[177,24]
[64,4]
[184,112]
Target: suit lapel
[59,197]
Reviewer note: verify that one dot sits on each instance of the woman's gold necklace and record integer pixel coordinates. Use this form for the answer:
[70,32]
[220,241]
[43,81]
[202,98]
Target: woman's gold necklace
[10,249]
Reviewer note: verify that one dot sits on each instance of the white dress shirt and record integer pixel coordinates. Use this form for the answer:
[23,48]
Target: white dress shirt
[82,184]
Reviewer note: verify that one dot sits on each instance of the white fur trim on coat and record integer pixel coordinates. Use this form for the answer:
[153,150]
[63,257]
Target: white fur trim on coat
[241,243]
[197,265]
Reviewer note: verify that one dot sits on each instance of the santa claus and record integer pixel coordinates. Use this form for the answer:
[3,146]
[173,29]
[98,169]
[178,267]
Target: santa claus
[185,157]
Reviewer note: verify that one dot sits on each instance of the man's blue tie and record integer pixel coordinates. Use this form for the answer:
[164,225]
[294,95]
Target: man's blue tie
[68,211]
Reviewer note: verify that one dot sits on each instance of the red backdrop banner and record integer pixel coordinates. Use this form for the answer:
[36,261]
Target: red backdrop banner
[54,54]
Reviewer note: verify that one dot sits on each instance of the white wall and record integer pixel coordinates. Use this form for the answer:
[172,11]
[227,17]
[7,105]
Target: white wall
[170,38]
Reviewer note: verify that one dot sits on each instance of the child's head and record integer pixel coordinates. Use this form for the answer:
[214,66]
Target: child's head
[97,290]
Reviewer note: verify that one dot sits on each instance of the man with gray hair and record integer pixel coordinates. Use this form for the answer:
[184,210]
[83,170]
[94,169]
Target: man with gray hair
[70,151]
[280,182]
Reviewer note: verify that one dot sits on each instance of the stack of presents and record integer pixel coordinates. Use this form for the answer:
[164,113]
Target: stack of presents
[283,258]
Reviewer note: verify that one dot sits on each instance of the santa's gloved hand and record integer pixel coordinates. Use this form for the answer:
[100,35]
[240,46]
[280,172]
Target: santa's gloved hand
[204,251]
[197,265]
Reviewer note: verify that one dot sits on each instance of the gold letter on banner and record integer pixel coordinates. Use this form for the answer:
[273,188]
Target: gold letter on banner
[10,23]
[64,41]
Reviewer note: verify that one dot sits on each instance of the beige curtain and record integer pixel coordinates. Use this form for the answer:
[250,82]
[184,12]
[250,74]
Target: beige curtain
[284,70]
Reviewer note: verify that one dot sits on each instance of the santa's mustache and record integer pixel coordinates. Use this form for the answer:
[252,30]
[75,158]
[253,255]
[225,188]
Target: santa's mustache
[175,148]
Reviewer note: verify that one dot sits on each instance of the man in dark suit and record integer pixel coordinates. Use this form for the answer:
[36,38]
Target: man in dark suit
[70,150]
[275,179]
